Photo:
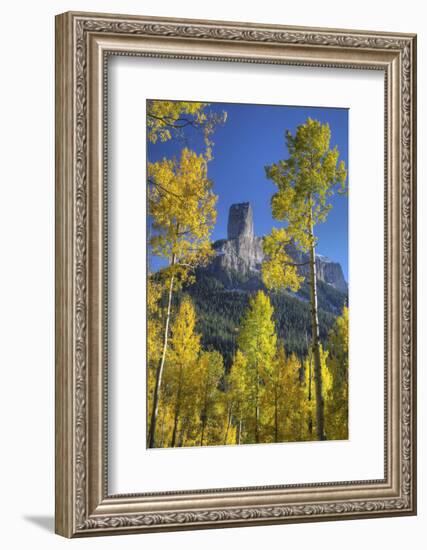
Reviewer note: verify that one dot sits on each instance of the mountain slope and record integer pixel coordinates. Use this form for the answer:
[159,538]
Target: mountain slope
[222,290]
[219,312]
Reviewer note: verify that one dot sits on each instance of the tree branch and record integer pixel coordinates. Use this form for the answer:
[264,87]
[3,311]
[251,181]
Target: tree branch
[152,182]
[202,198]
[175,123]
[294,264]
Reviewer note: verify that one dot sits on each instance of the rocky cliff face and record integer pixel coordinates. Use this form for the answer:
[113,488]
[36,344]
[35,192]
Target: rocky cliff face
[331,273]
[239,257]
[240,221]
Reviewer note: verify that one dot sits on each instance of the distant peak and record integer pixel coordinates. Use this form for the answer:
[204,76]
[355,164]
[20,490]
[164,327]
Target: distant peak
[240,221]
[323,258]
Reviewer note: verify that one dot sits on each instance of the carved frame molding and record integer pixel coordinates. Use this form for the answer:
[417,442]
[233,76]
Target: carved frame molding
[83,44]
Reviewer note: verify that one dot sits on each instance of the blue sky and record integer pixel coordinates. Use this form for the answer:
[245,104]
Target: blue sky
[251,138]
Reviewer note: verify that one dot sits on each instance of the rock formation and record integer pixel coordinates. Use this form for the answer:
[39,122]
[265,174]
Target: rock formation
[240,221]
[241,253]
[238,258]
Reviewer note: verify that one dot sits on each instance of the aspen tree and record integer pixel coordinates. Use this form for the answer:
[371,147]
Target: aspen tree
[257,341]
[305,182]
[181,204]
[169,119]
[184,353]
[337,363]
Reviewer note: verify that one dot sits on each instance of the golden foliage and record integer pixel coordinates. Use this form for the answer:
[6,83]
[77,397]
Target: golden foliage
[305,182]
[182,206]
[337,394]
[266,396]
[168,119]
[279,269]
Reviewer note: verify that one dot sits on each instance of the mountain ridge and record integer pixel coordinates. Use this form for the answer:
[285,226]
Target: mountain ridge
[238,258]
[222,289]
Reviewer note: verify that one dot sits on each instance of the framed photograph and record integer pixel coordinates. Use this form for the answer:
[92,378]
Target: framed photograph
[235,274]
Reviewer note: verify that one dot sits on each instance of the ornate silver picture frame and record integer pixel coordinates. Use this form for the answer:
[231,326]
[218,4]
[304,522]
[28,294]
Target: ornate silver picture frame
[84,42]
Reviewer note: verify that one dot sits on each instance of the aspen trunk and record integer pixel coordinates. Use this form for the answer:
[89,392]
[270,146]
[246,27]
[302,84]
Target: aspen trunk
[257,410]
[159,373]
[162,431]
[204,415]
[316,341]
[175,427]
[239,432]
[276,417]
[230,410]
[185,428]
[310,377]
[202,435]
[177,408]
[310,419]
